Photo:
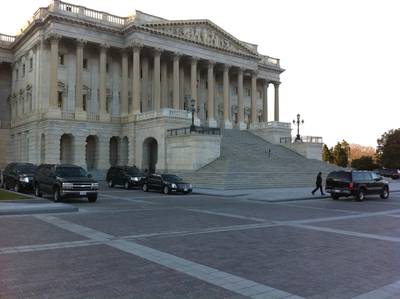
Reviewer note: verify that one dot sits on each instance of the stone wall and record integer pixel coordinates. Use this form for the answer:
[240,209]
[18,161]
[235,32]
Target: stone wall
[4,147]
[308,150]
[191,152]
[5,90]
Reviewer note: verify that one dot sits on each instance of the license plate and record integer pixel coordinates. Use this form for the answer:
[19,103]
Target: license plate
[336,190]
[82,193]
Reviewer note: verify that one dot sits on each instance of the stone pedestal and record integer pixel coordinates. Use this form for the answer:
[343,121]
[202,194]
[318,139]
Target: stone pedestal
[81,115]
[212,123]
[228,124]
[242,126]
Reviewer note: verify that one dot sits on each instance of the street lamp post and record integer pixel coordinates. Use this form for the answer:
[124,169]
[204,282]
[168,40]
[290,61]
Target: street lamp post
[298,122]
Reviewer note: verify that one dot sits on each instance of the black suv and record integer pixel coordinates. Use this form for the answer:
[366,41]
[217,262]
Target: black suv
[390,173]
[64,180]
[18,176]
[166,183]
[127,176]
[356,183]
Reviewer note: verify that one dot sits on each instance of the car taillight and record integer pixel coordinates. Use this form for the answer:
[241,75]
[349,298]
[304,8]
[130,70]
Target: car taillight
[350,186]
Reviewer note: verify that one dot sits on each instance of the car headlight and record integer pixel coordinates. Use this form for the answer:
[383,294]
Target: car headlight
[135,179]
[24,179]
[95,185]
[67,185]
[173,185]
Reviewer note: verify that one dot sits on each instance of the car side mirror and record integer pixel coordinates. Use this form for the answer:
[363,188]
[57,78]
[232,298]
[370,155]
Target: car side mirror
[89,175]
[379,178]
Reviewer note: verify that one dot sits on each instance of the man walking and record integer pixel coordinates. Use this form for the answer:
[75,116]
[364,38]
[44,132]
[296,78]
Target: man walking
[318,183]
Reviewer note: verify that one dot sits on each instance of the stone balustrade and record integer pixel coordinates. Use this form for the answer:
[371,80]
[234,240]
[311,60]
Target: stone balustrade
[68,115]
[6,40]
[303,139]
[83,12]
[165,112]
[270,60]
[271,124]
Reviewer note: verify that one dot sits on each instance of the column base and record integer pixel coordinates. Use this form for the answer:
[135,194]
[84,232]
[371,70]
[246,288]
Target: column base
[80,115]
[54,113]
[212,123]
[131,117]
[242,126]
[197,122]
[105,117]
[227,124]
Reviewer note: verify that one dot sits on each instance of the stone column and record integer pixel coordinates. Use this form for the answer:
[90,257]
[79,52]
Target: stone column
[124,92]
[79,113]
[175,91]
[193,88]
[164,85]
[104,152]
[53,80]
[156,81]
[276,87]
[103,81]
[80,149]
[265,102]
[227,122]
[145,87]
[253,97]
[136,78]
[181,87]
[242,125]
[210,99]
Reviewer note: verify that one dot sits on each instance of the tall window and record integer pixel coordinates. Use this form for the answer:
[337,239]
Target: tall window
[16,74]
[61,59]
[248,92]
[60,99]
[85,63]
[30,64]
[23,70]
[84,102]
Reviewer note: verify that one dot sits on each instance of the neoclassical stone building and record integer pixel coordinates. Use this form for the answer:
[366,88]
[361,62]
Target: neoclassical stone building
[87,87]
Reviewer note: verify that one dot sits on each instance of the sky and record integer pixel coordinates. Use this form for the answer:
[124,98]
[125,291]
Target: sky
[342,57]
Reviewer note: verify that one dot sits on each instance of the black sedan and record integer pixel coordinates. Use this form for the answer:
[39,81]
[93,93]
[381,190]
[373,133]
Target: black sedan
[166,183]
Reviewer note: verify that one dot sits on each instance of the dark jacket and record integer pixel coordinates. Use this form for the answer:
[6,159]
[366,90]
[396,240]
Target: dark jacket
[319,180]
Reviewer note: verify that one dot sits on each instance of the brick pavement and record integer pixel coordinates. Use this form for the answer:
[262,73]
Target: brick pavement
[135,245]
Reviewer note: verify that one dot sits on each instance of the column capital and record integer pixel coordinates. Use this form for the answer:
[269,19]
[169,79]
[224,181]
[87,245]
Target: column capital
[80,42]
[54,37]
[194,60]
[177,55]
[157,51]
[104,46]
[276,83]
[211,63]
[227,67]
[241,70]
[136,45]
[254,72]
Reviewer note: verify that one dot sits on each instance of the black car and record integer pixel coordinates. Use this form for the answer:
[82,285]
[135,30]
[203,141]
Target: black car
[64,180]
[390,173]
[18,176]
[356,183]
[166,183]
[127,176]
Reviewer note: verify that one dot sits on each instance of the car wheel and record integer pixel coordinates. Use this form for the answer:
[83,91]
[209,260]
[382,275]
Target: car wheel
[361,195]
[37,191]
[126,185]
[17,187]
[334,196]
[145,188]
[166,190]
[56,195]
[385,193]
[92,198]
[110,184]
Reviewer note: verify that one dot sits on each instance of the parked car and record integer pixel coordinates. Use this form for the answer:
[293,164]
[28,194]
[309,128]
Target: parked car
[356,183]
[18,176]
[127,176]
[64,180]
[390,173]
[166,183]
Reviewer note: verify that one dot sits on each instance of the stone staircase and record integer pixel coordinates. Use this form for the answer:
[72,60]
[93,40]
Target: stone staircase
[244,163]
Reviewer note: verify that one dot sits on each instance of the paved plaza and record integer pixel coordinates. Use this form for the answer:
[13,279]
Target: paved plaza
[132,244]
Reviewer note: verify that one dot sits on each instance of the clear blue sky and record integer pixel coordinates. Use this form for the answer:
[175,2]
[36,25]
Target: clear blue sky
[342,58]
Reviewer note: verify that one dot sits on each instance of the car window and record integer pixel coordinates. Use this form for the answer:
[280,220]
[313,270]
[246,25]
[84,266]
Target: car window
[171,177]
[340,175]
[71,172]
[358,176]
[132,170]
[374,175]
[25,168]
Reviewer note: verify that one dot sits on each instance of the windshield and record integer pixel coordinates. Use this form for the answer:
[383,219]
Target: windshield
[26,169]
[171,178]
[132,171]
[71,172]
